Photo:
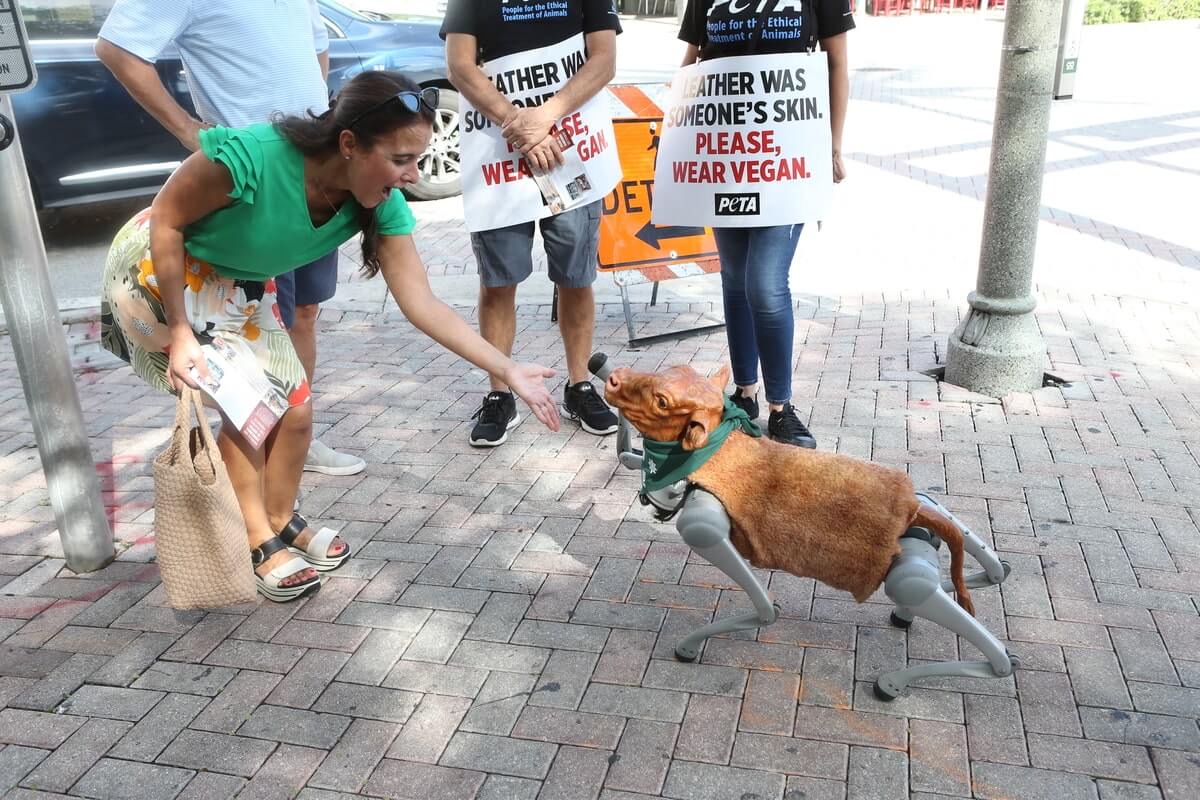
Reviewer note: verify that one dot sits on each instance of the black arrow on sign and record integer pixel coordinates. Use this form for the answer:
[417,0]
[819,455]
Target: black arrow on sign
[652,234]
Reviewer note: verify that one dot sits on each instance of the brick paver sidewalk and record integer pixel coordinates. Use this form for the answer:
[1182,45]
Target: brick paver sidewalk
[506,627]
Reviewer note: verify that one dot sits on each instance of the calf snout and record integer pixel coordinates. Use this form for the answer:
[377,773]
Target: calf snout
[614,386]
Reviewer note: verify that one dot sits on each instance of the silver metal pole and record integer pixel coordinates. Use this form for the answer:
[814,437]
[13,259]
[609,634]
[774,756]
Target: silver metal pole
[41,352]
[998,348]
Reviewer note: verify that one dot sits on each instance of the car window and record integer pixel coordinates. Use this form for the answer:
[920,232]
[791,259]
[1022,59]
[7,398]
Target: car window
[333,30]
[65,19]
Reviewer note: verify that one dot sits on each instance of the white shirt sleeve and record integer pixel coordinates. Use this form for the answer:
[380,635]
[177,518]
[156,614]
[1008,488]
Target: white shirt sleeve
[320,35]
[146,27]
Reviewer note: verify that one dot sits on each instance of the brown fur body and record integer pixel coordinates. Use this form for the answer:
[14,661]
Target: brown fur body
[814,514]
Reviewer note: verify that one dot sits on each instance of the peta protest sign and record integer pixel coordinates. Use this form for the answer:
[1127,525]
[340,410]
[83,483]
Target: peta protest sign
[628,239]
[746,142]
[497,182]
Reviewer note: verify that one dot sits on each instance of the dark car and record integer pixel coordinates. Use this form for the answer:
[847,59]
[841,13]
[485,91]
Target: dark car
[85,139]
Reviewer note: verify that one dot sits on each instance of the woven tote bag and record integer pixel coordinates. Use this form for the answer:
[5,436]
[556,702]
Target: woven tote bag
[199,534]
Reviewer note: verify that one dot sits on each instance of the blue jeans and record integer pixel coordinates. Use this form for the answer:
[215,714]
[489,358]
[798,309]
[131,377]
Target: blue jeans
[759,319]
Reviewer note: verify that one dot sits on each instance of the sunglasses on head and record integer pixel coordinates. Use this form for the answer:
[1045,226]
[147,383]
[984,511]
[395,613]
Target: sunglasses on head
[411,100]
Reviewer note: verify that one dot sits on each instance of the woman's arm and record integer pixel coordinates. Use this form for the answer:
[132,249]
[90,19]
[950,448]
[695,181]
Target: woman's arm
[195,190]
[406,279]
[839,96]
[690,55]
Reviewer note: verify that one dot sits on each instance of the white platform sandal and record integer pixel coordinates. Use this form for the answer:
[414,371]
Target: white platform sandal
[270,585]
[317,551]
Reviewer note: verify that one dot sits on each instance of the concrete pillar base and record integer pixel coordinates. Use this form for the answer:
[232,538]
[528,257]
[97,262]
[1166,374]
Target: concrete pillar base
[995,354]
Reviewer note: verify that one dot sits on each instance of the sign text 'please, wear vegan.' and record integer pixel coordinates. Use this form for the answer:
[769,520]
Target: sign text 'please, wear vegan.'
[746,143]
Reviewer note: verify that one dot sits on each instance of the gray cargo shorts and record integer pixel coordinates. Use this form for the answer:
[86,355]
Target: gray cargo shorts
[505,255]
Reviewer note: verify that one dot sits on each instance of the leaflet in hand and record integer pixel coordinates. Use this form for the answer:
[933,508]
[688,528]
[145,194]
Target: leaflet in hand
[240,389]
[566,185]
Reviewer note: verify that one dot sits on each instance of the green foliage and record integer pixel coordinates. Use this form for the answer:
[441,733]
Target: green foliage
[1100,12]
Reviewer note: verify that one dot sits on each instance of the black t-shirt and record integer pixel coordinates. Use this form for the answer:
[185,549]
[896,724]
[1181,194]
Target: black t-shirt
[503,27]
[762,27]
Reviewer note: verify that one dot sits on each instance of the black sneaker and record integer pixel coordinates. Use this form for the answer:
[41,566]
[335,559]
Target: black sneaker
[747,404]
[582,404]
[496,417]
[784,426]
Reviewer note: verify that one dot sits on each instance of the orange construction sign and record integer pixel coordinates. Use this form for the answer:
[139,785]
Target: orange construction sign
[628,239]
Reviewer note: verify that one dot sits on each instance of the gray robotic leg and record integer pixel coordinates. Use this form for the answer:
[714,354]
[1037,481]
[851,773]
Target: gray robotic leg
[704,526]
[914,584]
[994,570]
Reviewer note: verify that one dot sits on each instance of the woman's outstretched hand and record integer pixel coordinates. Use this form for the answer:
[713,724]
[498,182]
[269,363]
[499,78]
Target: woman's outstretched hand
[527,382]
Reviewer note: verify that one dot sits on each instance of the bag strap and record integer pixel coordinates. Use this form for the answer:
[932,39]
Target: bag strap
[189,407]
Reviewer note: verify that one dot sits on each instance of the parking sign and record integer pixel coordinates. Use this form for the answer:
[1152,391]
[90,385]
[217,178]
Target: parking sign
[17,72]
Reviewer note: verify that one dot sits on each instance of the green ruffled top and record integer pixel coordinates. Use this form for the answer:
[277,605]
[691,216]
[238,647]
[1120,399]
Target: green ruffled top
[268,230]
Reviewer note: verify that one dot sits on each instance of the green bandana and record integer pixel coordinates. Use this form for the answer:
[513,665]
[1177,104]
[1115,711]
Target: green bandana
[667,462]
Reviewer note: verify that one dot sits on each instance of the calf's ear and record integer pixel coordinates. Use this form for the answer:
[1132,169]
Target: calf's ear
[721,378]
[695,435]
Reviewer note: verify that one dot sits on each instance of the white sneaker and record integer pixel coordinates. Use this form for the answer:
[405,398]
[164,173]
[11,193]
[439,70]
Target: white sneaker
[322,458]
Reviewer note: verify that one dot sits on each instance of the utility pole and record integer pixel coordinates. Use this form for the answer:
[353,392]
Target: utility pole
[997,348]
[31,313]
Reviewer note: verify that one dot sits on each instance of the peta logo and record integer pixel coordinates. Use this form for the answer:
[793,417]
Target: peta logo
[757,6]
[736,205]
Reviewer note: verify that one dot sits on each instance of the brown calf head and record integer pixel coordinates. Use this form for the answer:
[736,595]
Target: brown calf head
[677,404]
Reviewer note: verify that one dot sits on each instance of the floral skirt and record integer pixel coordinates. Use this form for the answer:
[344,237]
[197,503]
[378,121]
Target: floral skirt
[243,314]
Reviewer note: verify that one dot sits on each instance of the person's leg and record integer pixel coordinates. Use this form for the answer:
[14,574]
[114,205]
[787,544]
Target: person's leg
[285,298]
[303,332]
[315,283]
[504,260]
[770,299]
[245,466]
[577,324]
[733,248]
[285,450]
[285,447]
[498,322]
[571,240]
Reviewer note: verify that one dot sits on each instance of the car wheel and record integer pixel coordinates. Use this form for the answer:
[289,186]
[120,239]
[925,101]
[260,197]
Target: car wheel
[441,170]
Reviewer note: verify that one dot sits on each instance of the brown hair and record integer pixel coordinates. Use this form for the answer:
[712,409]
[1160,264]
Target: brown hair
[362,107]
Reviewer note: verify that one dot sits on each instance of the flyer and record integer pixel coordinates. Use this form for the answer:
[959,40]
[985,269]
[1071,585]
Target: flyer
[238,386]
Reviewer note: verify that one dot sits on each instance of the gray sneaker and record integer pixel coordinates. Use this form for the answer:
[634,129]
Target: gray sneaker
[324,459]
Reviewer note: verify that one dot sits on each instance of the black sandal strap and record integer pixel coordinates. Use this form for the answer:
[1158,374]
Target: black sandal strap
[267,549]
[293,529]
